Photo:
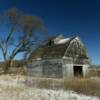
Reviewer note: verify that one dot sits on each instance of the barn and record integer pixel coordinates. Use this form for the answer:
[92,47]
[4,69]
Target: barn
[60,57]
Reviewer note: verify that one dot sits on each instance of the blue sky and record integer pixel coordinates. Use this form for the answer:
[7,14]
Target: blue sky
[68,17]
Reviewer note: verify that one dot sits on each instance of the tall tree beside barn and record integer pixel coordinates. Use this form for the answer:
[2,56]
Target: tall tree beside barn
[25,32]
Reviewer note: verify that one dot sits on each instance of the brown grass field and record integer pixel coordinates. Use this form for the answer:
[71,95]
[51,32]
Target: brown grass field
[21,87]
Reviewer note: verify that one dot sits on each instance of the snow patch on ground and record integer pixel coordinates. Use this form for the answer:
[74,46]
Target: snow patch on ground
[13,88]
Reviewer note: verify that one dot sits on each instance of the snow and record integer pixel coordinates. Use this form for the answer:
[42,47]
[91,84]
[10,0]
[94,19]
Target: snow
[13,88]
[38,59]
[62,41]
[61,95]
[42,94]
[78,39]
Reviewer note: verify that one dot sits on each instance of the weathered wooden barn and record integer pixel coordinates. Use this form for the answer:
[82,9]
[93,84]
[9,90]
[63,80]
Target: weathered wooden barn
[60,57]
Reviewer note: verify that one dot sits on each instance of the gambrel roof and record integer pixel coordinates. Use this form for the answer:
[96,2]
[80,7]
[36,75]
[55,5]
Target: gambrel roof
[57,47]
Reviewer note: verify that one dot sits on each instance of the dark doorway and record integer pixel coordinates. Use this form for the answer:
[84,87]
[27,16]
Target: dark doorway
[78,71]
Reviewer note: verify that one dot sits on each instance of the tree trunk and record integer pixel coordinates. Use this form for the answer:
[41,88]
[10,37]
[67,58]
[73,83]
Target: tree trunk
[7,66]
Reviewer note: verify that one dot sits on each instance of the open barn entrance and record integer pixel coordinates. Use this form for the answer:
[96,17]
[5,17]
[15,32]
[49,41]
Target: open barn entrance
[78,72]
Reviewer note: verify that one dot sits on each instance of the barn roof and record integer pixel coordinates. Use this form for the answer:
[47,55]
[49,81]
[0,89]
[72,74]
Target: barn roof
[51,49]
[54,48]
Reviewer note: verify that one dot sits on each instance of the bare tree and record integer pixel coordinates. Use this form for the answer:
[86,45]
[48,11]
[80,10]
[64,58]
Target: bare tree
[24,34]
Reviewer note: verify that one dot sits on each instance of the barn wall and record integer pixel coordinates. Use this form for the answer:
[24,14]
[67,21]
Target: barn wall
[85,69]
[35,68]
[67,67]
[59,68]
[46,68]
[52,68]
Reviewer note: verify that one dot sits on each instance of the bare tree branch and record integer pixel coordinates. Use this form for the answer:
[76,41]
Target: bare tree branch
[29,27]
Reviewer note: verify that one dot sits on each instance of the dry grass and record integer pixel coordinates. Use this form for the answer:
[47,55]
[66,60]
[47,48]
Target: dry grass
[47,83]
[93,73]
[88,86]
[23,88]
[18,71]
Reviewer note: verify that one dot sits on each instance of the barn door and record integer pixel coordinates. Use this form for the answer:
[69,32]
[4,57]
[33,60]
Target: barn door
[78,71]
